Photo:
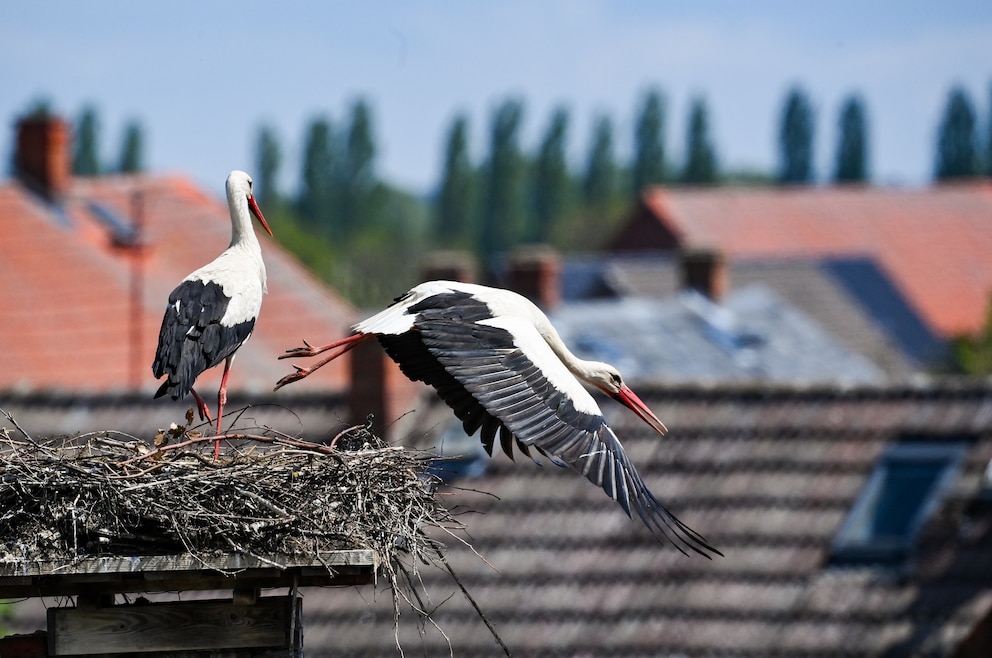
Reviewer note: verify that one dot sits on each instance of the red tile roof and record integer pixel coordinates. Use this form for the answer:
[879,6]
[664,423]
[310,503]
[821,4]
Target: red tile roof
[934,243]
[65,289]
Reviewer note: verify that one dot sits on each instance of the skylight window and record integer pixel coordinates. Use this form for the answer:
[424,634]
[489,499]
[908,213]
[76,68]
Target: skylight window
[903,491]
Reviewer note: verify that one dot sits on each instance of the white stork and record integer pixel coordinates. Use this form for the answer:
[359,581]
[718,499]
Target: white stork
[497,361]
[212,312]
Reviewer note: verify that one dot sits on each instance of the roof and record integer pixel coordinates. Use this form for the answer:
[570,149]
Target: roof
[83,298]
[933,242]
[766,473]
[849,297]
[752,335]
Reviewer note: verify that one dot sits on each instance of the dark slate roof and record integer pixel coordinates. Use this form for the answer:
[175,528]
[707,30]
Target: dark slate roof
[753,335]
[768,474]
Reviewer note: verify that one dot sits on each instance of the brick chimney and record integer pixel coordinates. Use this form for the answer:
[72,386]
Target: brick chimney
[367,393]
[42,159]
[535,273]
[379,388]
[449,265]
[704,271]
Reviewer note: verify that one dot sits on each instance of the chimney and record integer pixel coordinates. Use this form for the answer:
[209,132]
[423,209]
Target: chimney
[535,273]
[449,265]
[42,159]
[367,394]
[704,271]
[379,388]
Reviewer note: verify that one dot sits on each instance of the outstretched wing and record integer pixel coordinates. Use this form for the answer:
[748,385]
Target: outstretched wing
[498,373]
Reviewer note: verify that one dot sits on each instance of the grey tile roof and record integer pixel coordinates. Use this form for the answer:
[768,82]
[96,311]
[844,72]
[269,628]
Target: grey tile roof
[754,335]
[850,297]
[768,474]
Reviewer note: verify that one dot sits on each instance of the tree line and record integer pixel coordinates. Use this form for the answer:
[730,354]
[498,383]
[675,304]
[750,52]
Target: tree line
[365,236]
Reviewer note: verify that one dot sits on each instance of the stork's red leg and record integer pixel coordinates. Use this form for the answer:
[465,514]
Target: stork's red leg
[344,345]
[221,401]
[310,350]
[201,407]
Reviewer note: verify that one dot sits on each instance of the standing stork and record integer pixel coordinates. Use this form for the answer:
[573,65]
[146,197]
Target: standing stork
[497,361]
[212,312]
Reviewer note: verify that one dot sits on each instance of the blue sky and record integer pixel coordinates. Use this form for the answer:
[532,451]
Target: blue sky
[203,76]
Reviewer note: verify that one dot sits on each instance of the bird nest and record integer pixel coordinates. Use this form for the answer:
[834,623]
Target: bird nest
[269,494]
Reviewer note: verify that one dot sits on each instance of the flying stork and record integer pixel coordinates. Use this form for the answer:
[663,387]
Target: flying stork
[212,312]
[497,361]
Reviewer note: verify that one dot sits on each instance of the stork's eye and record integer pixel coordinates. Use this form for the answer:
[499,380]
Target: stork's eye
[616,379]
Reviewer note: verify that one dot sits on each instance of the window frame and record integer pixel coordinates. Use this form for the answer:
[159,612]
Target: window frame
[849,548]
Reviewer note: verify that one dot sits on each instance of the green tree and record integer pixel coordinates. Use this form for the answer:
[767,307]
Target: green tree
[957,150]
[795,139]
[988,138]
[852,147]
[268,157]
[973,354]
[599,181]
[700,162]
[357,180]
[453,208]
[316,199]
[550,180]
[502,205]
[85,160]
[648,167]
[132,149]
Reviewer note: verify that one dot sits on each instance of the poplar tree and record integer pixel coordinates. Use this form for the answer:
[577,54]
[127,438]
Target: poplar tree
[599,181]
[988,138]
[453,208]
[357,180]
[852,146]
[795,139]
[957,150]
[268,156]
[648,167]
[700,163]
[550,179]
[502,203]
[316,204]
[85,161]
[132,149]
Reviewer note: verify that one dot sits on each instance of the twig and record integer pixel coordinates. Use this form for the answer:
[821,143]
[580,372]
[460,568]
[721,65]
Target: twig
[27,437]
[482,615]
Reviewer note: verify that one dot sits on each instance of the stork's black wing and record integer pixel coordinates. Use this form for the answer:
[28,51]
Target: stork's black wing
[194,337]
[492,383]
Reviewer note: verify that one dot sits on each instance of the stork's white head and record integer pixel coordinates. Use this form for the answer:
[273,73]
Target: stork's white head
[239,186]
[607,379]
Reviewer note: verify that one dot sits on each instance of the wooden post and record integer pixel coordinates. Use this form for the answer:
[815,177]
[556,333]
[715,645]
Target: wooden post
[244,626]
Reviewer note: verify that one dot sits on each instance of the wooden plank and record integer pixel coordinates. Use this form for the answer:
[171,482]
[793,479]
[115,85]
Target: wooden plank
[183,626]
[184,572]
[187,562]
[182,581]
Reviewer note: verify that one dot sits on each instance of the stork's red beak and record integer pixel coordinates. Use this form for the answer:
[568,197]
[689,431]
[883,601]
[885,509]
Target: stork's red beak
[634,403]
[255,210]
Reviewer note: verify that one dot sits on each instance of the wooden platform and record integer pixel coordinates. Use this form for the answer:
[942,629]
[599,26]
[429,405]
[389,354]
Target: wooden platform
[164,573]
